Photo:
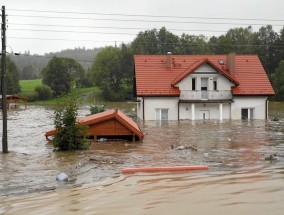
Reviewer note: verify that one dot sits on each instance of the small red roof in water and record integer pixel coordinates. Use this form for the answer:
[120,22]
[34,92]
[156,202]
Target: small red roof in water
[154,78]
[104,116]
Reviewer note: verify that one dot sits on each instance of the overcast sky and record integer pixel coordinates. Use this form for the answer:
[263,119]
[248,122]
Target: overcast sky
[38,27]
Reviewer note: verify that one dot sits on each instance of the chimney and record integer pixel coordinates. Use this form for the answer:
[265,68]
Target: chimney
[169,60]
[231,62]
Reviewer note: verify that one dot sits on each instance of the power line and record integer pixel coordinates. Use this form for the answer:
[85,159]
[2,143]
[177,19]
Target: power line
[60,39]
[150,16]
[140,20]
[109,27]
[159,43]
[85,32]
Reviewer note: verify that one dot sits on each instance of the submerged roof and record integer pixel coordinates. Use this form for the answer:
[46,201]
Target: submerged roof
[153,78]
[107,115]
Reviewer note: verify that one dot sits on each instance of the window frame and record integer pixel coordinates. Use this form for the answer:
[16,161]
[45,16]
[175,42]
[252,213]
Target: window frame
[160,116]
[215,84]
[250,113]
[193,84]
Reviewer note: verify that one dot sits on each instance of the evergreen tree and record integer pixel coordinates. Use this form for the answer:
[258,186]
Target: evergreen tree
[69,134]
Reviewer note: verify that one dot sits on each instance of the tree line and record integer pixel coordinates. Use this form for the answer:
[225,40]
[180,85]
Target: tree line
[112,67]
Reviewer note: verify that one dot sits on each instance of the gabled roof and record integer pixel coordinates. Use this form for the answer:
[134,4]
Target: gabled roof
[197,64]
[104,116]
[153,78]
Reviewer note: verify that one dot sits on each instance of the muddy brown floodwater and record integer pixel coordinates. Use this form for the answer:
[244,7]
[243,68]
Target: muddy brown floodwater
[239,179]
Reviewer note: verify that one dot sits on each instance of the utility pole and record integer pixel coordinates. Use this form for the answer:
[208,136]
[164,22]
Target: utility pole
[3,83]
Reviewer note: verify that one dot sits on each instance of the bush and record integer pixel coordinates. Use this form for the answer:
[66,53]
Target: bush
[97,109]
[42,92]
[70,135]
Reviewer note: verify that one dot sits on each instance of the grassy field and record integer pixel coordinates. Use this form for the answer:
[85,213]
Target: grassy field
[28,86]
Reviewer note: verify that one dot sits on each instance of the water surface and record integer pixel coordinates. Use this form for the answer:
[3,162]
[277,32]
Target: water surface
[239,179]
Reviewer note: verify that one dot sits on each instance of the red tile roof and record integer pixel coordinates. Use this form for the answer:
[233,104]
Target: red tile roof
[104,116]
[154,79]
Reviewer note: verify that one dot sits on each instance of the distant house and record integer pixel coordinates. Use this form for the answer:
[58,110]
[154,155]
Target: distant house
[109,125]
[180,87]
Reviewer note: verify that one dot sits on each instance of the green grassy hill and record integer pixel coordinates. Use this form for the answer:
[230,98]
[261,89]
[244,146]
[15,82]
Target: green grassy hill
[28,86]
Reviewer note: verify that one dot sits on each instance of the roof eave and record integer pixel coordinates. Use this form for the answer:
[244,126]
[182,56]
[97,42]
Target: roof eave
[139,133]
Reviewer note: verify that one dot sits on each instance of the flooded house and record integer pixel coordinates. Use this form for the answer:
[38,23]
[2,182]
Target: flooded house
[110,125]
[181,87]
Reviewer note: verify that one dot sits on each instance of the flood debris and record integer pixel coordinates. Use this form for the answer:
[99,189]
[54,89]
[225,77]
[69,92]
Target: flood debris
[62,177]
[271,157]
[104,161]
[41,189]
[275,119]
[187,147]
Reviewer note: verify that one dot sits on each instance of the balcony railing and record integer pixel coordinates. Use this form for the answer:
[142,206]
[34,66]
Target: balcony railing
[206,95]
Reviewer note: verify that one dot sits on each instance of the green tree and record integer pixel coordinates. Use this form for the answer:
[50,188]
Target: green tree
[281,42]
[238,40]
[111,72]
[145,43]
[155,42]
[60,72]
[167,41]
[242,40]
[69,134]
[278,81]
[189,44]
[268,51]
[127,65]
[12,77]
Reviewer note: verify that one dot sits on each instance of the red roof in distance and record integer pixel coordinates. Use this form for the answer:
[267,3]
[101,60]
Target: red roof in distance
[153,78]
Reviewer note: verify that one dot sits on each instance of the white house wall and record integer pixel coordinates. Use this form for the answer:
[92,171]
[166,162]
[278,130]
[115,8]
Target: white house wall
[153,103]
[258,103]
[230,111]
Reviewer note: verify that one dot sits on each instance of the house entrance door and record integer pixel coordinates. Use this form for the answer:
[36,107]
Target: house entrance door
[204,115]
[204,88]
[247,113]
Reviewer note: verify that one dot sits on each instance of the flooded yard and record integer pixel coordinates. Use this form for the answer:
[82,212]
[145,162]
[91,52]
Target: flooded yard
[239,179]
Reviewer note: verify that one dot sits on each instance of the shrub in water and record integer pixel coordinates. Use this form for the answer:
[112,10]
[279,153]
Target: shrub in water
[70,134]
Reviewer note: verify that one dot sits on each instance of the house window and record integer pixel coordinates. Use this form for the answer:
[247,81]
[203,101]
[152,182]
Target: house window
[204,88]
[193,83]
[215,84]
[162,114]
[247,113]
